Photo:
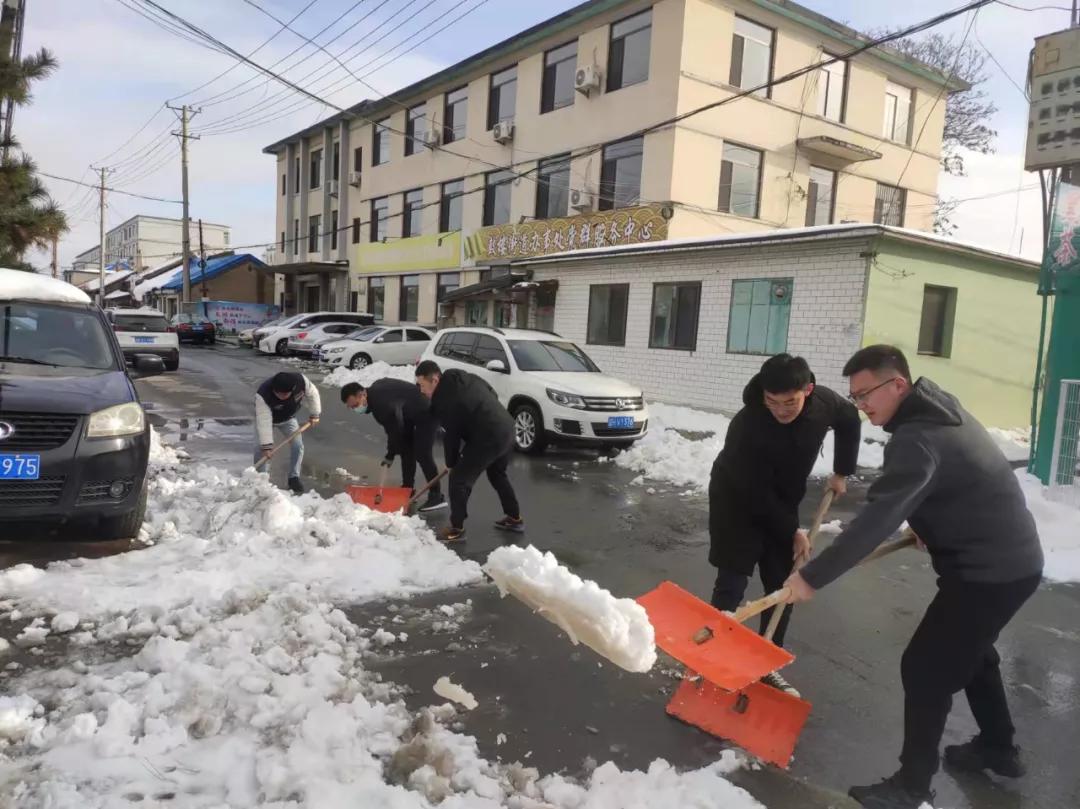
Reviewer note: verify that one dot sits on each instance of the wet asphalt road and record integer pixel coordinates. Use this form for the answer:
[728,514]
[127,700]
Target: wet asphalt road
[556,706]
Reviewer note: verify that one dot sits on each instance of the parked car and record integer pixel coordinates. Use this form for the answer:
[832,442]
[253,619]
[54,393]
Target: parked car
[247,336]
[74,439]
[555,393]
[275,340]
[145,331]
[305,343]
[396,345]
[193,329]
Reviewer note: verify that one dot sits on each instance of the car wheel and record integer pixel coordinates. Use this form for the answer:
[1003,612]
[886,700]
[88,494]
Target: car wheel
[529,429]
[282,347]
[172,363]
[359,361]
[126,526]
[212,341]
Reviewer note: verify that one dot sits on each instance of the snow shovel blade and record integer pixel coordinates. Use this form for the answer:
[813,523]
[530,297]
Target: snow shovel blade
[391,500]
[726,653]
[760,719]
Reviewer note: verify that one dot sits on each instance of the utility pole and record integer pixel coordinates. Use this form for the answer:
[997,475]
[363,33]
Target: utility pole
[101,246]
[186,113]
[202,261]
[55,262]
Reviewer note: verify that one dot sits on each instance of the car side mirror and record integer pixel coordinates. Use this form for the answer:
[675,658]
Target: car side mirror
[380,339]
[148,365]
[498,366]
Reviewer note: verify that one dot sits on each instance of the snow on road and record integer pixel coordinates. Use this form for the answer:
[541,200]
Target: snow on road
[215,668]
[1059,529]
[340,377]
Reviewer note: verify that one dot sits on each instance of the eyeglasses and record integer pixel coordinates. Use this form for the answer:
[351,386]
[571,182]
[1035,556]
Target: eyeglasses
[860,398]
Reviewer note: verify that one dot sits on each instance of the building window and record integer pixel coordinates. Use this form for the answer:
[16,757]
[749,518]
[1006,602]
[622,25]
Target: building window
[832,90]
[740,181]
[296,236]
[476,313]
[675,315]
[820,196]
[497,189]
[553,187]
[283,242]
[284,177]
[620,174]
[354,301]
[376,296]
[380,143]
[450,206]
[333,230]
[225,237]
[336,165]
[455,115]
[751,56]
[296,175]
[557,89]
[938,316]
[760,312]
[409,307]
[448,282]
[415,123]
[628,51]
[607,314]
[897,112]
[502,97]
[315,169]
[356,230]
[889,204]
[380,216]
[358,159]
[314,225]
[414,203]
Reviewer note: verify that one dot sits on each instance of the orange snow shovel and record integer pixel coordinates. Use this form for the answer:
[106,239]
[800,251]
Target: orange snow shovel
[389,500]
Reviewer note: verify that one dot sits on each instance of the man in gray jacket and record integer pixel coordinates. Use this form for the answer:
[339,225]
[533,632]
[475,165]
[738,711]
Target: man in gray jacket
[946,477]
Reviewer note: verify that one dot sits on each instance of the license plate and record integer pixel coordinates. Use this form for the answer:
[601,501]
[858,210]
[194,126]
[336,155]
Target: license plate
[144,340]
[197,328]
[620,422]
[20,467]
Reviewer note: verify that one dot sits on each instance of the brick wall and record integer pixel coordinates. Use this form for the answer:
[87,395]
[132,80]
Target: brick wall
[825,326]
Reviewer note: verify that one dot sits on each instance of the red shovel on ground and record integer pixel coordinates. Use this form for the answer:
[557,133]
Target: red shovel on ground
[389,500]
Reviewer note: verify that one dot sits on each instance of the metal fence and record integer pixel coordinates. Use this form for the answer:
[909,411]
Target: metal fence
[1065,461]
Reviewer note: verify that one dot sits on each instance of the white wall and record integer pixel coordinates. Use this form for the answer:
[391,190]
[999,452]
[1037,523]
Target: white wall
[825,327]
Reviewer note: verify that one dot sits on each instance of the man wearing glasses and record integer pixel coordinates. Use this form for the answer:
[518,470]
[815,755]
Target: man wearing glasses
[946,477]
[759,479]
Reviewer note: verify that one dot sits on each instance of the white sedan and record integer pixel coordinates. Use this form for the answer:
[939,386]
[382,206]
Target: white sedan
[304,344]
[395,345]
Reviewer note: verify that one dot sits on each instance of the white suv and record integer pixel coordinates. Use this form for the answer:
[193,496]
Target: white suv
[550,386]
[145,331]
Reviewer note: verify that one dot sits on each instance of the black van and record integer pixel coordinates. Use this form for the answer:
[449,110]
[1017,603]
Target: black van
[74,439]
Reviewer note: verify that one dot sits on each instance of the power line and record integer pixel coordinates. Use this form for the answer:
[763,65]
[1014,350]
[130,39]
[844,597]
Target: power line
[110,190]
[1004,72]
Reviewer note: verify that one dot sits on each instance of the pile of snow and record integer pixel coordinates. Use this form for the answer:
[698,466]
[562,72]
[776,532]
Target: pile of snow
[666,454]
[340,377]
[616,628]
[1059,529]
[1015,443]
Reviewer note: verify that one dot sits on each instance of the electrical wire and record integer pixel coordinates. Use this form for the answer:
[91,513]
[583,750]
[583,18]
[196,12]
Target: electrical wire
[107,188]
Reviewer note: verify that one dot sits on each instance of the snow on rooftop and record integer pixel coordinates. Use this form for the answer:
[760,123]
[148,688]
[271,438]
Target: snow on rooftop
[19,285]
[93,284]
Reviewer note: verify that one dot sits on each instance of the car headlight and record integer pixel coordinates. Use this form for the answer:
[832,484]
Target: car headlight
[566,399]
[337,350]
[125,419]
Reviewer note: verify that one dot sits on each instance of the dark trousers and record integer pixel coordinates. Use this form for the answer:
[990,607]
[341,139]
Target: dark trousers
[774,566]
[953,650]
[416,446]
[477,458]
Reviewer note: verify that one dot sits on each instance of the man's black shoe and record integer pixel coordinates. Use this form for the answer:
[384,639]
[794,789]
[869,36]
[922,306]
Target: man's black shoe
[892,793]
[433,502]
[295,486]
[977,755]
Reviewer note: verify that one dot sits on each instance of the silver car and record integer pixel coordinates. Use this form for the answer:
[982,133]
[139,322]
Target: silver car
[304,343]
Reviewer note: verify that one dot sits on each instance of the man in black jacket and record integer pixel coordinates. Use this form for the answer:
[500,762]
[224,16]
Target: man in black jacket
[470,413]
[944,474]
[759,480]
[404,414]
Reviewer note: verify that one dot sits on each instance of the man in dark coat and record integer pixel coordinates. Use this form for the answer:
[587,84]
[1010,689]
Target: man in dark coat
[471,414]
[944,474]
[405,416]
[759,480]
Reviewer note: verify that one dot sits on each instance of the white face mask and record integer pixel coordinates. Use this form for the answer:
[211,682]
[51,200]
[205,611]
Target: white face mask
[360,409]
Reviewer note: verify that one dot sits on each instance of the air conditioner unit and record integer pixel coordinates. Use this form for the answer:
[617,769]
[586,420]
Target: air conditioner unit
[587,79]
[354,179]
[581,200]
[334,188]
[503,132]
[433,137]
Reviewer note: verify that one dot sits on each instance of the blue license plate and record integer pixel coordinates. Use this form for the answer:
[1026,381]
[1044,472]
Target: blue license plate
[197,327]
[20,467]
[144,340]
[620,422]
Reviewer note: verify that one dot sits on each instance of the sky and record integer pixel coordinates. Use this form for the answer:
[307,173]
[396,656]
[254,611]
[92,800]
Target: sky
[105,103]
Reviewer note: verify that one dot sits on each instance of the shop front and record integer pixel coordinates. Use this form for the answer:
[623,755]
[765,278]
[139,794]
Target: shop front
[402,281]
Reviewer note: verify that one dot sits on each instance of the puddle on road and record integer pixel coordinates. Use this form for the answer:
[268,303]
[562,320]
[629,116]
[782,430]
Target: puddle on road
[185,429]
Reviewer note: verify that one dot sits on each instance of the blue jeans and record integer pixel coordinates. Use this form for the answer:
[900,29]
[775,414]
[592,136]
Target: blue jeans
[296,448]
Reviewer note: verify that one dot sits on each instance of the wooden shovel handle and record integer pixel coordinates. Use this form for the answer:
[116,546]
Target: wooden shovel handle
[288,440]
[384,470]
[420,493]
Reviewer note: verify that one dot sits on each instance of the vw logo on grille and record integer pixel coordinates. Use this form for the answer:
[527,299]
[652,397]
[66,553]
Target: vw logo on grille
[622,404]
[6,430]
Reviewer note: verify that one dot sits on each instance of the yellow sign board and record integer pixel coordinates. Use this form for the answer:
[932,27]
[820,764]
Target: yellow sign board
[437,252]
[543,237]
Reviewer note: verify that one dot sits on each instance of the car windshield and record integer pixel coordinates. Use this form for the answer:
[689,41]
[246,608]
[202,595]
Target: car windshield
[550,355]
[154,323]
[189,319]
[43,334]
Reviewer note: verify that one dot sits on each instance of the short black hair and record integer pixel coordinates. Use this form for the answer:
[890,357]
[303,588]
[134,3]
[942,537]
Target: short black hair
[428,368]
[351,389]
[784,373]
[878,358]
[283,382]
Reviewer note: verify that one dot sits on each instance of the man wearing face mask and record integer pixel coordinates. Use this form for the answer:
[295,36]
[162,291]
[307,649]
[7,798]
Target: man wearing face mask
[759,479]
[404,414]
